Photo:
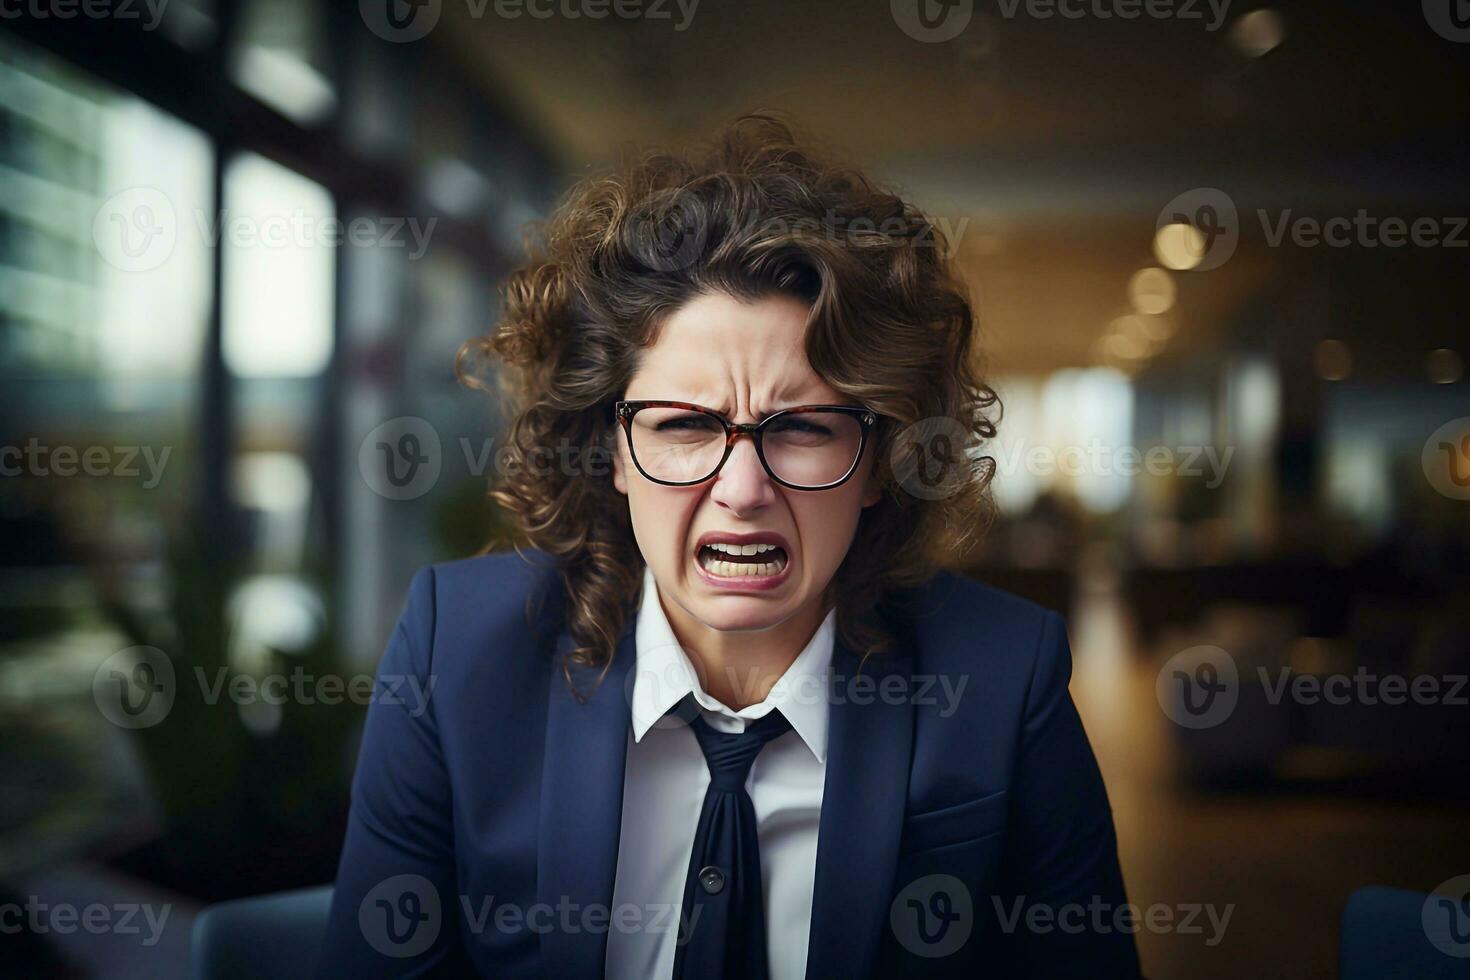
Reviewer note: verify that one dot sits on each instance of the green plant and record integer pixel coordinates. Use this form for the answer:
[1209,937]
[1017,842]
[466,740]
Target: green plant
[221,785]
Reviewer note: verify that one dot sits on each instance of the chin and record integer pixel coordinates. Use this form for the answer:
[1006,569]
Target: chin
[739,613]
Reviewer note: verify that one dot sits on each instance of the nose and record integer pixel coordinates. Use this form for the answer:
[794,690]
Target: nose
[743,486]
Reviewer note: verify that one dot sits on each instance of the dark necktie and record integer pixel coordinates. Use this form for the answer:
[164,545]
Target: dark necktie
[723,914]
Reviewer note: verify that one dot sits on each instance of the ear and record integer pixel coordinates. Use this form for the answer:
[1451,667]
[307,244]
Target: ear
[620,471]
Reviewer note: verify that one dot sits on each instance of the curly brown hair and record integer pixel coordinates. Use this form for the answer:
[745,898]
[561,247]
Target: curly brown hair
[751,213]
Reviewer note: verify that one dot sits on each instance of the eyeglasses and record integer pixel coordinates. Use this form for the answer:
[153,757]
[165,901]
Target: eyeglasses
[808,447]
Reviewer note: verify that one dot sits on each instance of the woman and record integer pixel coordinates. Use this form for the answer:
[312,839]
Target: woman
[722,716]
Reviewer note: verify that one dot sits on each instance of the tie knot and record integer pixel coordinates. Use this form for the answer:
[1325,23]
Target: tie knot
[730,755]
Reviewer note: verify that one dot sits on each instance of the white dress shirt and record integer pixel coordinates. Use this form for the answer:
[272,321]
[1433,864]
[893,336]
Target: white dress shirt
[664,787]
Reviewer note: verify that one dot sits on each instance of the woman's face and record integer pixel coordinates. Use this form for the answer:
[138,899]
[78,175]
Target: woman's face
[745,360]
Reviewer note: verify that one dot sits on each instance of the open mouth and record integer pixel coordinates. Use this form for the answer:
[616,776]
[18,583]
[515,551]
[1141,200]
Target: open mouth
[742,560]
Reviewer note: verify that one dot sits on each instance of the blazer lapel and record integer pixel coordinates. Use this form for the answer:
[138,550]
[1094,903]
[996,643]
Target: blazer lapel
[582,806]
[865,789]
[863,799]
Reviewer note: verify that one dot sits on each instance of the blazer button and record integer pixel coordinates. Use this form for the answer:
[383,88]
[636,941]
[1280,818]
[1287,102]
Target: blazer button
[712,879]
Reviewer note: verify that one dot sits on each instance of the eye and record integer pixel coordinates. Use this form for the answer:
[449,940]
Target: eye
[799,425]
[691,422]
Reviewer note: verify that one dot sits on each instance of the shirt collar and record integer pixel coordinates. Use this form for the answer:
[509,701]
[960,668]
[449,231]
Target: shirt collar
[663,674]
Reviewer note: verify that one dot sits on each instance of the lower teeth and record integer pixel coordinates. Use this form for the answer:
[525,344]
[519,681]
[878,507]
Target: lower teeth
[730,569]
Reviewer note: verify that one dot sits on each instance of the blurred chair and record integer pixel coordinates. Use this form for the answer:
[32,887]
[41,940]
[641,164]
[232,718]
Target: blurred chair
[1383,938]
[267,936]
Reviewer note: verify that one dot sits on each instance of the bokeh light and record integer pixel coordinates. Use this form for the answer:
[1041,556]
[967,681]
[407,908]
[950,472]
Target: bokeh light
[1152,291]
[1179,246]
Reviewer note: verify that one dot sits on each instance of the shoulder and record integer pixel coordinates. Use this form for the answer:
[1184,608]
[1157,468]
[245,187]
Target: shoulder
[988,670]
[472,612]
[486,585]
[951,601]
[964,626]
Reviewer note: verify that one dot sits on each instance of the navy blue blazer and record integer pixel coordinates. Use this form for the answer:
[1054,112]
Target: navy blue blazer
[963,835]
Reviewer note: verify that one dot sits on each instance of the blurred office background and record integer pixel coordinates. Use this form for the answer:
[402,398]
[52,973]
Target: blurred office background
[242,240]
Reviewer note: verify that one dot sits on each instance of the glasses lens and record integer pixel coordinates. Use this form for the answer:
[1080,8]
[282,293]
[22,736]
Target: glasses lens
[813,449]
[675,444]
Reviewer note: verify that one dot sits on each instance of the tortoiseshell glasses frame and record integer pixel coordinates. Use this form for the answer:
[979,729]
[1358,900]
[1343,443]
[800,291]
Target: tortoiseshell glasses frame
[866,418]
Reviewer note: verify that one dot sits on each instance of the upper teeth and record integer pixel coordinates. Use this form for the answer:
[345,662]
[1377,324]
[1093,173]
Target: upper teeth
[741,549]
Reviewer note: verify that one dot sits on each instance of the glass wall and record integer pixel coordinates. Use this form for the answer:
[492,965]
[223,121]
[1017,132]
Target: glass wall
[236,260]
